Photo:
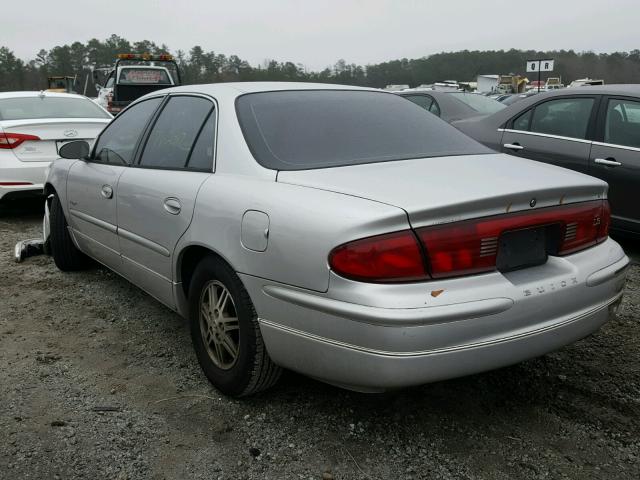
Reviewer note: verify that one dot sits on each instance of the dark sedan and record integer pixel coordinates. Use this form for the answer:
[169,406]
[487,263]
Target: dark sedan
[594,130]
[451,106]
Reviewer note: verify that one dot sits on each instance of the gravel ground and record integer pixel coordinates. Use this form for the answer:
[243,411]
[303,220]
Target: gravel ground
[99,381]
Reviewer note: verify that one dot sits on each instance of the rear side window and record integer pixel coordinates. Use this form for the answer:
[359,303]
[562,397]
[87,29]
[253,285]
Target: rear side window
[422,100]
[622,124]
[426,102]
[143,76]
[522,122]
[566,117]
[202,154]
[26,108]
[435,109]
[174,132]
[304,129]
[118,141]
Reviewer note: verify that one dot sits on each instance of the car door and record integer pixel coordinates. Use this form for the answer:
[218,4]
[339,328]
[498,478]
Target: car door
[556,131]
[615,158]
[156,198]
[92,184]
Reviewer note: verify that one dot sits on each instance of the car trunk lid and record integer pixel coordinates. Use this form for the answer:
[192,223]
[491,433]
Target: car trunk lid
[446,189]
[52,134]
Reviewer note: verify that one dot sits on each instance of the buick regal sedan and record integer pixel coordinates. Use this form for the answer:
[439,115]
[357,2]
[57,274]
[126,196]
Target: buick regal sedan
[33,126]
[341,232]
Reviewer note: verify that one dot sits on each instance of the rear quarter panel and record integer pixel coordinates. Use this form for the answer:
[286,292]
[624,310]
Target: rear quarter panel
[305,224]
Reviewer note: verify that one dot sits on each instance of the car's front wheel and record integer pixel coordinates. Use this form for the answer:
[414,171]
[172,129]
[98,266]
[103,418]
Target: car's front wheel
[65,254]
[225,331]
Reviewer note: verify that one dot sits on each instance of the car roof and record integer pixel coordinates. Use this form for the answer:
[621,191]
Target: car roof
[613,89]
[238,88]
[25,94]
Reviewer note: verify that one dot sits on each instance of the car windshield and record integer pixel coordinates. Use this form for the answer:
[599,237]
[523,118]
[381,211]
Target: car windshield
[479,103]
[304,129]
[25,108]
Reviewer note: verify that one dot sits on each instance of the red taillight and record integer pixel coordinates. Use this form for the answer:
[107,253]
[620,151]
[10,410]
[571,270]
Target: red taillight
[471,246]
[13,140]
[466,247]
[395,257]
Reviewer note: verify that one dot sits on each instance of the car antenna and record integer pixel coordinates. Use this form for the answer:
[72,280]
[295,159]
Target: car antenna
[41,94]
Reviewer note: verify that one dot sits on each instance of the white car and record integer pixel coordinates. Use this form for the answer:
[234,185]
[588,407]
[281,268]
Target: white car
[33,126]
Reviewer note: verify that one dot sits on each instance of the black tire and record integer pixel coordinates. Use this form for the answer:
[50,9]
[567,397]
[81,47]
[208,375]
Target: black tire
[64,252]
[253,370]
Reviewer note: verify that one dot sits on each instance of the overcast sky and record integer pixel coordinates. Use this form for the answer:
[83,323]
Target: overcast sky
[316,33]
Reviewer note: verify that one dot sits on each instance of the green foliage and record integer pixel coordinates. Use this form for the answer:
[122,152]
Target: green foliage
[200,66]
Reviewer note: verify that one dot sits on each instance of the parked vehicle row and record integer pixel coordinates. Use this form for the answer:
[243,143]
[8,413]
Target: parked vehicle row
[341,232]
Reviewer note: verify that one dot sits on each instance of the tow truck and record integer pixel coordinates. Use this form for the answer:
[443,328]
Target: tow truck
[135,75]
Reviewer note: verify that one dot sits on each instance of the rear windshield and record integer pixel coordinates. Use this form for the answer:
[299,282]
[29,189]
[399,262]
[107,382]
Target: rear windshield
[304,129]
[479,103]
[143,76]
[25,108]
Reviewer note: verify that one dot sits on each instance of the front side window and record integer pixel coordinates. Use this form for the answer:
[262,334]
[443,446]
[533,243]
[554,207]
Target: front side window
[175,131]
[622,124]
[566,117]
[27,108]
[117,143]
[305,129]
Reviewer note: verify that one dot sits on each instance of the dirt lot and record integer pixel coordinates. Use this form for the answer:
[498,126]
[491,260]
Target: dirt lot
[98,381]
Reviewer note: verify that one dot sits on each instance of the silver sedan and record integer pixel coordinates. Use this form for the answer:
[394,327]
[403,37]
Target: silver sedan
[340,232]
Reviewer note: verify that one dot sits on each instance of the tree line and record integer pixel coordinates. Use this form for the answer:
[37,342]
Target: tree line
[200,66]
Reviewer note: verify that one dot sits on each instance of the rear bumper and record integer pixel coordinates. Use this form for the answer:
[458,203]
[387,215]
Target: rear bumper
[382,337]
[14,171]
[16,192]
[364,369]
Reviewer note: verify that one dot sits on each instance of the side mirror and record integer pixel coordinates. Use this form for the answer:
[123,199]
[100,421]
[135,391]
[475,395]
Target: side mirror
[78,149]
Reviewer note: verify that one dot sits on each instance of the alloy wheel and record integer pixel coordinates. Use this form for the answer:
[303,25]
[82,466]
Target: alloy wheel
[219,324]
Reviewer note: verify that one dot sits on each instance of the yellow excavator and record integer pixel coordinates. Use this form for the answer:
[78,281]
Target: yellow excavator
[61,84]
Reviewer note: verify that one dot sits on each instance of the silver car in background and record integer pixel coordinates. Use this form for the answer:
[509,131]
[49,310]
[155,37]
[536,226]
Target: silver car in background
[341,232]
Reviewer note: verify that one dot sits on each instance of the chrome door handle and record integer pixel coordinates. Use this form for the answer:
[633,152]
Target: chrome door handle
[172,205]
[513,146]
[107,191]
[607,161]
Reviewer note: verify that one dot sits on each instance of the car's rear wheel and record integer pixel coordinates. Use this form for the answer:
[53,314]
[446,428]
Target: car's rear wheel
[64,252]
[225,331]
